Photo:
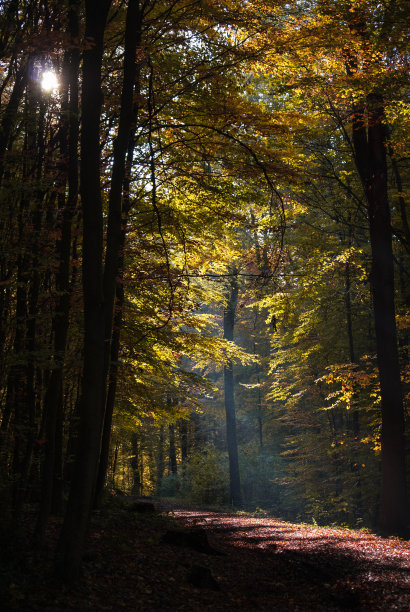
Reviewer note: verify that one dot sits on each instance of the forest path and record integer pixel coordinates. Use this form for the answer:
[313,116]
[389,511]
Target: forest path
[275,565]
[186,559]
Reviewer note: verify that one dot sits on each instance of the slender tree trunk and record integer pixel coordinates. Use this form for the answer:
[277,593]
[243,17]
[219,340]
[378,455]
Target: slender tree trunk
[355,414]
[402,203]
[53,401]
[172,451]
[16,398]
[110,402]
[229,324]
[348,304]
[73,419]
[116,230]
[370,157]
[6,129]
[183,431]
[27,296]
[121,144]
[10,113]
[115,463]
[80,500]
[349,324]
[136,464]
[260,417]
[160,460]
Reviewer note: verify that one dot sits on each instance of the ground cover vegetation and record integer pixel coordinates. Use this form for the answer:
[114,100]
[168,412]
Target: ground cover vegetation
[204,261]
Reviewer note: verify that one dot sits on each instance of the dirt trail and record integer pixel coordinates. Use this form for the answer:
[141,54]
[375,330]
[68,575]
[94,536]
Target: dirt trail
[272,564]
[185,559]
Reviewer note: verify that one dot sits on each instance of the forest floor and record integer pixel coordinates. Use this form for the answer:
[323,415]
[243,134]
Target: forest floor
[191,559]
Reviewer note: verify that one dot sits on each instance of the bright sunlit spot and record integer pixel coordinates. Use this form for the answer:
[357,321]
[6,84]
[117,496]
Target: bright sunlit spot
[49,81]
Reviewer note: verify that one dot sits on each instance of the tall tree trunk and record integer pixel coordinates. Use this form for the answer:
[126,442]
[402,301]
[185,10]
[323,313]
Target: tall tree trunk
[16,399]
[116,229]
[10,113]
[355,413]
[183,432]
[28,274]
[229,324]
[79,506]
[348,304]
[53,401]
[172,451]
[402,204]
[370,157]
[160,460]
[260,416]
[6,129]
[349,324]
[136,464]
[114,464]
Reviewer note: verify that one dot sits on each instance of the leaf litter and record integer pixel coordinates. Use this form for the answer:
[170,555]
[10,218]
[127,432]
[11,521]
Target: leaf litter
[262,564]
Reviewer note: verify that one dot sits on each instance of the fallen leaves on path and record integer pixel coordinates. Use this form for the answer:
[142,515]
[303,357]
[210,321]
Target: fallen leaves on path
[322,567]
[251,563]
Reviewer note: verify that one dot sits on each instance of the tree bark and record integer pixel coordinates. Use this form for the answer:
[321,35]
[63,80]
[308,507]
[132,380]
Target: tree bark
[28,274]
[183,432]
[172,451]
[116,229]
[229,324]
[160,461]
[10,114]
[110,401]
[370,158]
[80,500]
[53,401]
[402,204]
[135,465]
[349,324]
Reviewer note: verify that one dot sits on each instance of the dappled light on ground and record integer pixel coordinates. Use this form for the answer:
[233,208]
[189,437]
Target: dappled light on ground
[184,559]
[372,572]
[245,531]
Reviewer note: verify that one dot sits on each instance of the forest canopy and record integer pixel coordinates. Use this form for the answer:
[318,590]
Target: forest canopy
[204,259]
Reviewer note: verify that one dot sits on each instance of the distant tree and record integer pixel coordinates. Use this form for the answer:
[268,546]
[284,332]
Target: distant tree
[229,392]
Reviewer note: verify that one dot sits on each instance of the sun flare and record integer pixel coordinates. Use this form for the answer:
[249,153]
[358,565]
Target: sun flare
[49,81]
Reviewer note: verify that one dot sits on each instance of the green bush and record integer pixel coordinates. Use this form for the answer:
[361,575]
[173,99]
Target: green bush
[206,476]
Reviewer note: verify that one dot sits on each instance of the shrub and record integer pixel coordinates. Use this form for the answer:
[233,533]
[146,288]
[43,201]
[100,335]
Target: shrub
[206,476]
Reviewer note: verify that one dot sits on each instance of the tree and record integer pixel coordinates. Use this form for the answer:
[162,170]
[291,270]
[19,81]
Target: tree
[229,325]
[91,416]
[369,137]
[54,394]
[346,57]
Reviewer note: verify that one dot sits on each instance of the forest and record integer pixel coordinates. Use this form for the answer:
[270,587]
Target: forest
[204,262]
